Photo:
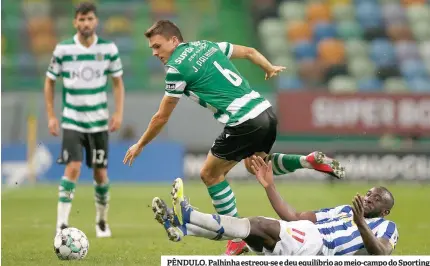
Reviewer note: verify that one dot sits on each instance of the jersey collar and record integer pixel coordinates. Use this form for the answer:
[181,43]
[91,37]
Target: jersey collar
[76,39]
[179,45]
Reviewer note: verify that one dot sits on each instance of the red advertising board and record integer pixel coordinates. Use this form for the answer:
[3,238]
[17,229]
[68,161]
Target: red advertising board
[363,113]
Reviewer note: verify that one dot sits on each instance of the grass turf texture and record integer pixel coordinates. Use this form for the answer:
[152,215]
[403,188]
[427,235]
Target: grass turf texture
[29,216]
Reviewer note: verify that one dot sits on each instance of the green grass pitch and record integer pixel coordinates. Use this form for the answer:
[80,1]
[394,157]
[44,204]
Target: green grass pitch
[29,215]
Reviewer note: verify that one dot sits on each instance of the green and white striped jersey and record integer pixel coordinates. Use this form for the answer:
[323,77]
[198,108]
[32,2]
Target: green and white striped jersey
[202,71]
[84,71]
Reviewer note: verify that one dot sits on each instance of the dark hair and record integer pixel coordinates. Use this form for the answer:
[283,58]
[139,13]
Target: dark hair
[390,197]
[85,8]
[165,28]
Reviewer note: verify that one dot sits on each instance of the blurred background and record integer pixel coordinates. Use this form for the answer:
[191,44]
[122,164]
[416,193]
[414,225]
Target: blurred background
[357,84]
[356,87]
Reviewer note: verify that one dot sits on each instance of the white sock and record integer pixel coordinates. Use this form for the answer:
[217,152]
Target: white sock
[305,163]
[63,212]
[194,230]
[102,198]
[65,197]
[101,212]
[233,227]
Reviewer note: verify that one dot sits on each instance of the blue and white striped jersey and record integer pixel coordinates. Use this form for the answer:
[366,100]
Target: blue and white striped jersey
[341,235]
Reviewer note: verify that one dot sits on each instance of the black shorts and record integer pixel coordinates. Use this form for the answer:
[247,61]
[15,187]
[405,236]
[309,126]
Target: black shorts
[244,140]
[96,147]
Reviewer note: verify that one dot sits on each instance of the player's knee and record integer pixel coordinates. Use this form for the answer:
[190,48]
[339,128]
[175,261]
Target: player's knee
[257,226]
[73,169]
[209,177]
[206,175]
[264,228]
[256,222]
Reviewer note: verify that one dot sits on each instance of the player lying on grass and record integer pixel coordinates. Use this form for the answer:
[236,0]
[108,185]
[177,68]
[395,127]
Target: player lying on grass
[203,71]
[343,230]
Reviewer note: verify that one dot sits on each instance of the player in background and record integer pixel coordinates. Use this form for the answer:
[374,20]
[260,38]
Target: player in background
[202,70]
[84,62]
[360,229]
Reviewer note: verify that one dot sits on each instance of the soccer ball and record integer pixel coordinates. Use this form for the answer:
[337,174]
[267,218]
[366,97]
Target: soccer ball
[71,244]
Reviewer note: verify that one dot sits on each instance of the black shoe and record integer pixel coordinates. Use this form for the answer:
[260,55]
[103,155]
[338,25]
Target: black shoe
[63,226]
[102,229]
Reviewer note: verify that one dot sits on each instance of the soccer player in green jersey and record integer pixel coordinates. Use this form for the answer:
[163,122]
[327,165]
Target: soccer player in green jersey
[202,71]
[84,63]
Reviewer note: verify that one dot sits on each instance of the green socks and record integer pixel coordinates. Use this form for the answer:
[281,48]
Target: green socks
[285,163]
[102,201]
[65,196]
[223,199]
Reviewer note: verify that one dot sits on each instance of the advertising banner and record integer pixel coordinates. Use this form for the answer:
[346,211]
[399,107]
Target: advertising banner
[193,163]
[159,162]
[357,114]
[411,166]
[360,166]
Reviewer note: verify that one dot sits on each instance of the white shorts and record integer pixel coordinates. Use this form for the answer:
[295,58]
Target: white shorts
[298,238]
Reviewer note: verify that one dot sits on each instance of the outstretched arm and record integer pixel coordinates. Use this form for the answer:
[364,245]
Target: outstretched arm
[257,58]
[160,119]
[285,211]
[244,52]
[252,54]
[175,85]
[155,126]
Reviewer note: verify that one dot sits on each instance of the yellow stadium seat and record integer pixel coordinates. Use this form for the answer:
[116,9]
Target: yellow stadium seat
[299,31]
[331,51]
[339,2]
[413,2]
[117,24]
[317,12]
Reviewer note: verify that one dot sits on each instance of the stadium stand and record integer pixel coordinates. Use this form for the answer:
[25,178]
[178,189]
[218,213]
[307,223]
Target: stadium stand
[383,44]
[31,28]
[349,45]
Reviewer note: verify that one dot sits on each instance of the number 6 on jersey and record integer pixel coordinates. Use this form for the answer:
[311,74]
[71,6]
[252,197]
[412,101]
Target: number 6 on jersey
[234,78]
